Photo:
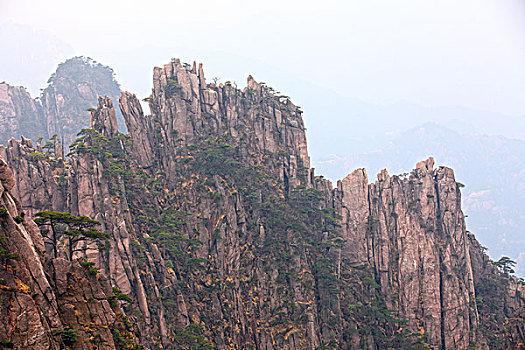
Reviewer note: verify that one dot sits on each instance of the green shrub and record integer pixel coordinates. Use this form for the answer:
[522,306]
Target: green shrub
[93,271]
[125,297]
[6,344]
[87,263]
[192,337]
[69,336]
[118,296]
[36,155]
[18,219]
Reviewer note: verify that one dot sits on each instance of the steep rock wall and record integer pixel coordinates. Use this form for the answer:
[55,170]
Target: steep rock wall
[62,108]
[49,303]
[223,235]
[411,231]
[20,114]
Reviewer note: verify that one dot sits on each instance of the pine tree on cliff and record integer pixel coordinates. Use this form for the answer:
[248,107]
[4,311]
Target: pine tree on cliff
[77,228]
[505,265]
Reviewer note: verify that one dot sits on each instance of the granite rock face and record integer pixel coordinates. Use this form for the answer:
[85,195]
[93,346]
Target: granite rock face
[500,301]
[40,175]
[20,114]
[223,236]
[73,89]
[63,106]
[49,303]
[185,109]
[104,118]
[411,231]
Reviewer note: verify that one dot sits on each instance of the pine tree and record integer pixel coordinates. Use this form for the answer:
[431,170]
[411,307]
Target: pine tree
[76,228]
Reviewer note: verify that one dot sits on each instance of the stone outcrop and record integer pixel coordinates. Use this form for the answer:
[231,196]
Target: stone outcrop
[185,109]
[41,175]
[20,114]
[222,234]
[63,108]
[104,118]
[74,89]
[139,126]
[411,231]
[499,299]
[48,303]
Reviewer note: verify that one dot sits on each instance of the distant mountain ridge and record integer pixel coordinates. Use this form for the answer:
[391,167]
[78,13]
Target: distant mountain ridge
[62,107]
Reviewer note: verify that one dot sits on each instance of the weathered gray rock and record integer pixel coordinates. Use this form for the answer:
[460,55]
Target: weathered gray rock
[412,232]
[40,297]
[73,89]
[104,118]
[20,114]
[216,220]
[139,126]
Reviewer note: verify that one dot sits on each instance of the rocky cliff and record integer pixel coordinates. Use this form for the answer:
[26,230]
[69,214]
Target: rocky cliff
[20,114]
[493,202]
[50,303]
[224,238]
[72,90]
[62,108]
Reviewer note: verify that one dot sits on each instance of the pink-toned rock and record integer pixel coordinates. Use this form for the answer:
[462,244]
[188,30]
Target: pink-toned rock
[104,118]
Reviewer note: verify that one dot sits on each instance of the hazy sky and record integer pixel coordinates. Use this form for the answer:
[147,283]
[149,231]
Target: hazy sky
[432,52]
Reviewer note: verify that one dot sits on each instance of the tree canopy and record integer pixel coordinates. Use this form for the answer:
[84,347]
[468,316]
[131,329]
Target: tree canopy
[76,228]
[505,265]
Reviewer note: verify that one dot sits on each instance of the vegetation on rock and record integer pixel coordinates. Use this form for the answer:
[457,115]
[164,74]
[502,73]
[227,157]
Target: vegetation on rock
[221,236]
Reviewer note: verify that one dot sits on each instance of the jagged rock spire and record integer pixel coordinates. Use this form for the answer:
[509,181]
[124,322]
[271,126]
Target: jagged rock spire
[426,164]
[104,118]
